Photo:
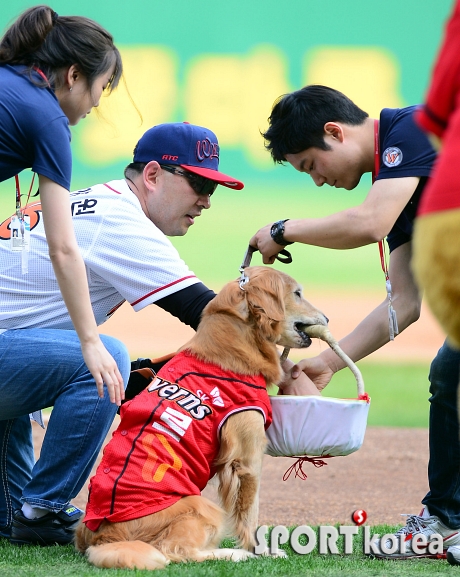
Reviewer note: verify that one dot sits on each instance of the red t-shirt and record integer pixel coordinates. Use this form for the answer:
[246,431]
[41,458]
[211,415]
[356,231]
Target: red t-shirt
[168,439]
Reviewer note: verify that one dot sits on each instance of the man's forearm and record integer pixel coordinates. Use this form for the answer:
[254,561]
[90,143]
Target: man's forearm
[371,334]
[343,230]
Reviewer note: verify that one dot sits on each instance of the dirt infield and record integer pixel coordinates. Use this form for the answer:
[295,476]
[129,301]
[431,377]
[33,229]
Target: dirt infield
[375,478]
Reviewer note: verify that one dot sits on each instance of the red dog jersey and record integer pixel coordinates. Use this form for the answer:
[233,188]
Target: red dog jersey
[168,438]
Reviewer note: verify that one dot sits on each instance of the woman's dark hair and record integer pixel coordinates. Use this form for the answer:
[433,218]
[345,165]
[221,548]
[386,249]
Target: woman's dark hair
[40,38]
[297,119]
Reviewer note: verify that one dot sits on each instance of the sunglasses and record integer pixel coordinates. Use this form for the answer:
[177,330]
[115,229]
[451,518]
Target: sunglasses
[200,184]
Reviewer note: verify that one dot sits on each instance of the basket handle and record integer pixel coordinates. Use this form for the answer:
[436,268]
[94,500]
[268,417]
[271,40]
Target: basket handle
[322,332]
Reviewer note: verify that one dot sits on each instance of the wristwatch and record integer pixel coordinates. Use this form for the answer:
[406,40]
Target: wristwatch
[277,232]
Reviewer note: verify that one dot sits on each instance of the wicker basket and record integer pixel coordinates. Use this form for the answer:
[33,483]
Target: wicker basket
[316,426]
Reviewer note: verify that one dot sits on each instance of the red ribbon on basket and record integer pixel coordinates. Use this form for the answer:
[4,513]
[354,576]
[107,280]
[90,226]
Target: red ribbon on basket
[297,466]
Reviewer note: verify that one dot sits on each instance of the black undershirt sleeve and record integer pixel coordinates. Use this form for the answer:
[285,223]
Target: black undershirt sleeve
[188,303]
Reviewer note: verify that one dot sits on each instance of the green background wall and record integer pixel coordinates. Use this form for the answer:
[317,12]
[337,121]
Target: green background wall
[222,64]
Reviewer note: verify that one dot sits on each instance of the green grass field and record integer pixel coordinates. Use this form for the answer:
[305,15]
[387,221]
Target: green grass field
[399,392]
[66,562]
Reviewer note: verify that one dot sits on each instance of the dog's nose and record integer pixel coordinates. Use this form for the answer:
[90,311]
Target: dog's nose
[322,319]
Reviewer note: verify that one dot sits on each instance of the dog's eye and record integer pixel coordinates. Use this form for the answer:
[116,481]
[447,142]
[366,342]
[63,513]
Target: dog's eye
[298,293]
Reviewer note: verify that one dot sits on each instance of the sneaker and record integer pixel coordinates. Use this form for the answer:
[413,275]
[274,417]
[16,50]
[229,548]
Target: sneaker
[453,555]
[423,524]
[52,528]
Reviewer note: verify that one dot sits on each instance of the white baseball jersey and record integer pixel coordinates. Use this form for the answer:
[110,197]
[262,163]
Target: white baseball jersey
[126,256]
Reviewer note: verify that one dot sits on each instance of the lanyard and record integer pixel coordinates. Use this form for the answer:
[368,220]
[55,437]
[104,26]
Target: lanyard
[392,320]
[20,211]
[20,227]
[20,222]
[383,258]
[42,74]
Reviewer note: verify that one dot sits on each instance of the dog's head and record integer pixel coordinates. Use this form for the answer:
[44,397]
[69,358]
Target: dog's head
[272,302]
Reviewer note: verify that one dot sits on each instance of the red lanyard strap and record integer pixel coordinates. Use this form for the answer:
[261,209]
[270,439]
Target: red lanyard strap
[42,74]
[392,319]
[20,212]
[383,260]
[376,151]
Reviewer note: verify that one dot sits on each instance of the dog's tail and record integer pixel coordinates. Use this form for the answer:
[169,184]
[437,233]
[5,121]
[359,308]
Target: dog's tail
[126,555]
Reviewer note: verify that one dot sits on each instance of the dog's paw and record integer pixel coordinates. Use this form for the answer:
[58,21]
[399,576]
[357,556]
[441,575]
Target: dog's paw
[241,555]
[279,553]
[225,554]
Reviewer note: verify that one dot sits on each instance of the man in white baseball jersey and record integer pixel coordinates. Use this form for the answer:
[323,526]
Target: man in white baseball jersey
[121,229]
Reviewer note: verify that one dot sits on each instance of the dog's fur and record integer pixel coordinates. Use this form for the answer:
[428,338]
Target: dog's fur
[239,331]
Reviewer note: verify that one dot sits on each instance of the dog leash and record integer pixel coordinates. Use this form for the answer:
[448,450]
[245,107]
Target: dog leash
[286,259]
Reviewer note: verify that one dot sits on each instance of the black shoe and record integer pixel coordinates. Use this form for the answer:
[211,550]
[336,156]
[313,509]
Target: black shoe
[51,529]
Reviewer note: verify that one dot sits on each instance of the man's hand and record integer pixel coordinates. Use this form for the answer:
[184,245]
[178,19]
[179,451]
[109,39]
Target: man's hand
[300,386]
[264,243]
[315,369]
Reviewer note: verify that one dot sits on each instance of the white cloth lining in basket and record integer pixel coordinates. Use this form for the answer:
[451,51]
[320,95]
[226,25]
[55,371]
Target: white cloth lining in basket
[316,426]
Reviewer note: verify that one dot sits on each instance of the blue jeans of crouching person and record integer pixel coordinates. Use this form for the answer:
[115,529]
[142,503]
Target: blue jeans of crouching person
[42,368]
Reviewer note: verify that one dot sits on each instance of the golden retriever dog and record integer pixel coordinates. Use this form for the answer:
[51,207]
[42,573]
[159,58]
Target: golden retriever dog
[203,414]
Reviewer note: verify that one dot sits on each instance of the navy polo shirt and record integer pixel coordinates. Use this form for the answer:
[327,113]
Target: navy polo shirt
[405,150]
[34,131]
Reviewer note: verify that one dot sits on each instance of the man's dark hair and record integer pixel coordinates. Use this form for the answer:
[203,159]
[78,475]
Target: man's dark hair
[297,119]
[134,169]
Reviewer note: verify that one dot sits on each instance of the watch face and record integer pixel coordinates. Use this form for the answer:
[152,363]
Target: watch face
[277,231]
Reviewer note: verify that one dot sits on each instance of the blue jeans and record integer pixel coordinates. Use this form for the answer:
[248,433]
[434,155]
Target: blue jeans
[42,368]
[443,499]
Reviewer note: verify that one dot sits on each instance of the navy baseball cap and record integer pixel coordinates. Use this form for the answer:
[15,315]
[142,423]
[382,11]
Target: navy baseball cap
[191,147]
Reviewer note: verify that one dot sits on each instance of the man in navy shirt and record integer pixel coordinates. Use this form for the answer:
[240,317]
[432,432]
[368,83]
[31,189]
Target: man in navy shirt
[321,132]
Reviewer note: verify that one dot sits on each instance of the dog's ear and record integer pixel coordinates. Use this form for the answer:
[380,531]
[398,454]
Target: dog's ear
[265,298]
[229,300]
[265,290]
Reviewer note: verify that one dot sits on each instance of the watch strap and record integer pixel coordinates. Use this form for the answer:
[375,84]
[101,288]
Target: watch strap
[277,232]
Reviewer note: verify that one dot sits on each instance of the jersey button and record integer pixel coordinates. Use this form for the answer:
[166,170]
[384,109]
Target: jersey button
[107,470]
[124,433]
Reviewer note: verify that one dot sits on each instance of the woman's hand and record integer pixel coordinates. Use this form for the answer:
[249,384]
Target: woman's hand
[104,370]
